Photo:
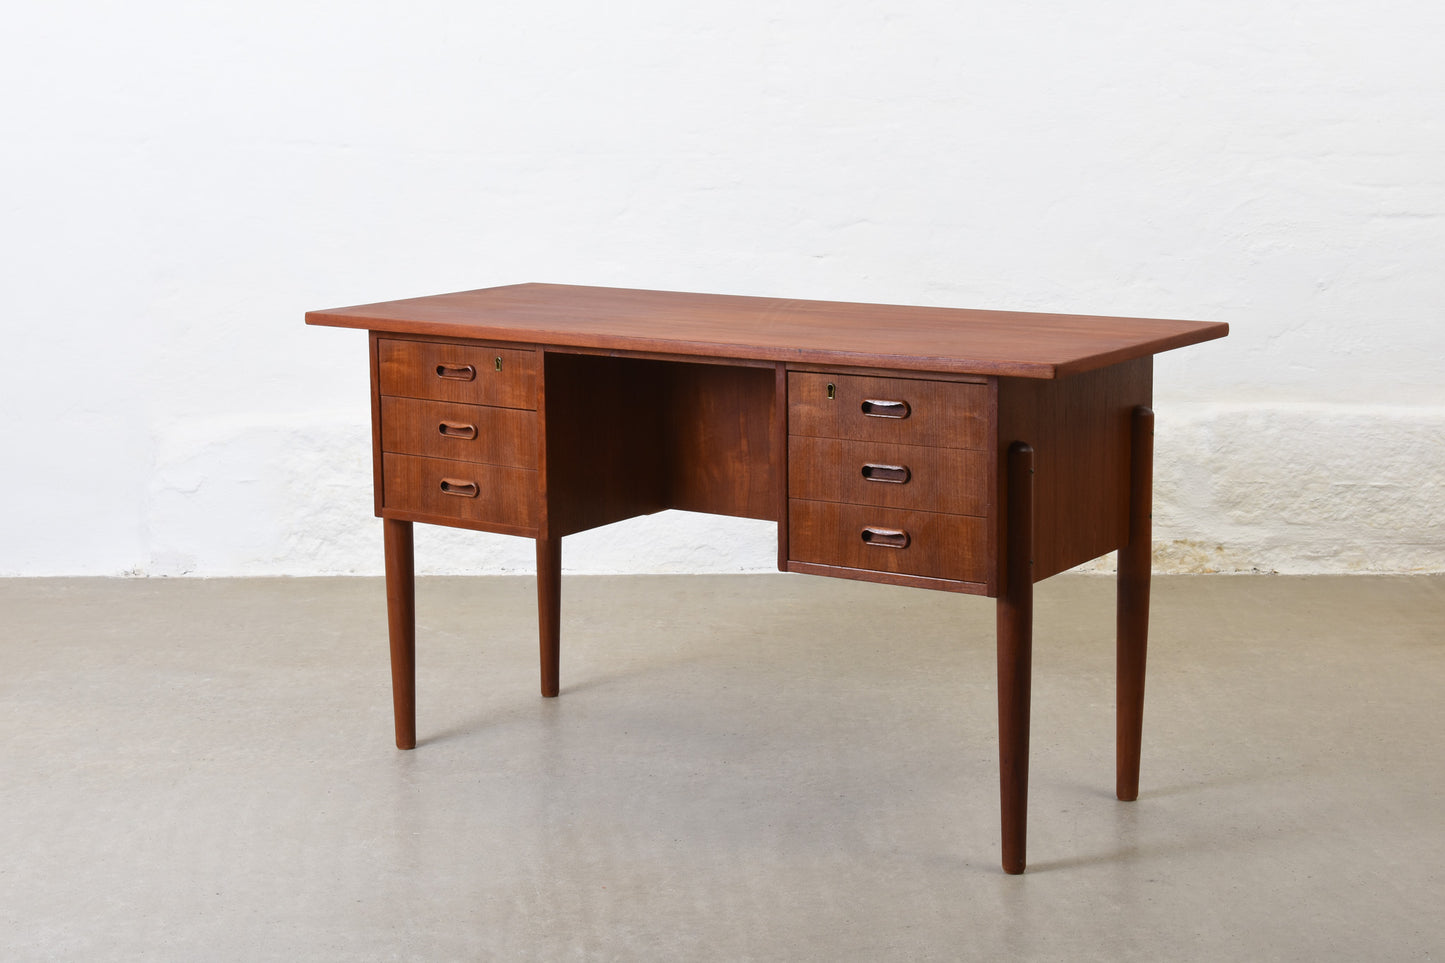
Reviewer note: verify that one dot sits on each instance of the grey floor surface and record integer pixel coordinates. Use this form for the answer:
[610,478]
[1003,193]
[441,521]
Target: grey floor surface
[739,768]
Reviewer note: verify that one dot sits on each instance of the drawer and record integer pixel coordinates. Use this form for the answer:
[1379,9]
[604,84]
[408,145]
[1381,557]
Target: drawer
[488,494]
[949,480]
[902,411]
[469,373]
[442,429]
[930,544]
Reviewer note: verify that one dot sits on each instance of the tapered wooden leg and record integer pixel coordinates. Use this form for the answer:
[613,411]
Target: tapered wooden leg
[401,625]
[549,610]
[1135,560]
[1015,656]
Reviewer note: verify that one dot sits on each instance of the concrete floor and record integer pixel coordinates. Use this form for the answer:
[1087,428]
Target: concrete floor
[739,768]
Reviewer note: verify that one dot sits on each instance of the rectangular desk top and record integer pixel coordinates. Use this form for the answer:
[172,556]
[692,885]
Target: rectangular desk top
[1008,343]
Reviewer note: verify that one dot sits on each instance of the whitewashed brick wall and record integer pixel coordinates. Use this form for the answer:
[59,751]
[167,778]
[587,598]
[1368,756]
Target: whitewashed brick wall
[180,181]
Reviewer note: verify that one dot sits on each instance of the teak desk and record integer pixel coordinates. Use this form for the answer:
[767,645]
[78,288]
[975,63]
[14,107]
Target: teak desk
[969,451]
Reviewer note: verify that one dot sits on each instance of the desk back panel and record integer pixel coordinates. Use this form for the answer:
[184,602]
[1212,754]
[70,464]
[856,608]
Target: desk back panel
[629,436]
[721,438]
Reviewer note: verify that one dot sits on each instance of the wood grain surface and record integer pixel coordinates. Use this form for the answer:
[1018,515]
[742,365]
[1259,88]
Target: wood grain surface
[505,496]
[780,329]
[950,480]
[939,546]
[411,369]
[940,413]
[494,436]
[1079,430]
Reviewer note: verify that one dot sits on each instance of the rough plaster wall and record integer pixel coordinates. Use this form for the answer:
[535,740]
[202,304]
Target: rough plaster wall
[180,181]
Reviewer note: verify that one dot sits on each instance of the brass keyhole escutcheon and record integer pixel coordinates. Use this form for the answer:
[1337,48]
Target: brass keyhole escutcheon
[832,391]
[499,362]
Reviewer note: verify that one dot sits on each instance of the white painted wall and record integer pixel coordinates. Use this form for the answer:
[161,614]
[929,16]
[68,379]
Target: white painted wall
[181,180]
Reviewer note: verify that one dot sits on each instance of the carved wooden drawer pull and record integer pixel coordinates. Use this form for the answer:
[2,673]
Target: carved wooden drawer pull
[455,429]
[886,537]
[885,409]
[464,489]
[457,372]
[897,474]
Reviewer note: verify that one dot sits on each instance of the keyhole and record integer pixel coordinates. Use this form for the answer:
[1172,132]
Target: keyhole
[832,391]
[499,363]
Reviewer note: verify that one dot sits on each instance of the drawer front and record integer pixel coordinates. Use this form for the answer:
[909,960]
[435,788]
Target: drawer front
[489,494]
[901,411]
[888,540]
[948,480]
[469,373]
[441,429]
